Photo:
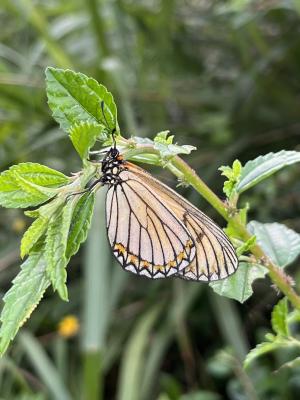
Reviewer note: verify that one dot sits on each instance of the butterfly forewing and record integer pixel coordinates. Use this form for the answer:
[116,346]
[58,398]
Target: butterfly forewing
[146,237]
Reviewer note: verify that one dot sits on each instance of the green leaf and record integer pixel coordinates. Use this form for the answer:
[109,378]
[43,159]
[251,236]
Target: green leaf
[274,343]
[29,184]
[55,250]
[33,234]
[22,298]
[259,350]
[33,189]
[164,144]
[80,223]
[84,135]
[262,167]
[164,137]
[280,243]
[200,395]
[295,363]
[239,285]
[74,97]
[40,174]
[233,174]
[279,318]
[47,210]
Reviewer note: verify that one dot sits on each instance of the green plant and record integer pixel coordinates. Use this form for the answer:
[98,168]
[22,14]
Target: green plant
[62,220]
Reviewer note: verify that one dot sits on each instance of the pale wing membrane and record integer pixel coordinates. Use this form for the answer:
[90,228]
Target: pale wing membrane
[145,236]
[215,256]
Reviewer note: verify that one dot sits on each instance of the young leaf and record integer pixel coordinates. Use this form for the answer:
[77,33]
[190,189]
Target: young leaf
[33,234]
[164,137]
[262,167]
[233,175]
[239,285]
[80,223]
[274,343]
[279,318]
[56,244]
[29,184]
[259,350]
[84,135]
[164,144]
[22,298]
[280,243]
[295,363]
[73,97]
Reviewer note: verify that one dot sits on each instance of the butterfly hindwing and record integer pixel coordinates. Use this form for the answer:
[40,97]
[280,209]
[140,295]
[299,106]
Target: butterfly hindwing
[215,256]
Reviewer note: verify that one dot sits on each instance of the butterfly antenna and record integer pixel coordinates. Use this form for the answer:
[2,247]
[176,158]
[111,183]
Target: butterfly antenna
[103,113]
[107,125]
[113,135]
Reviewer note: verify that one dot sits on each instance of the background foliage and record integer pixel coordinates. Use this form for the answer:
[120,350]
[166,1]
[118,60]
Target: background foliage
[221,76]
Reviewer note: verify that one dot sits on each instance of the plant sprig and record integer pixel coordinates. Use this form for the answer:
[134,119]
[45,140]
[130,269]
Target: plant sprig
[87,112]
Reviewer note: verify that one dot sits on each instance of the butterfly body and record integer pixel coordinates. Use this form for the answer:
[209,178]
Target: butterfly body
[155,232]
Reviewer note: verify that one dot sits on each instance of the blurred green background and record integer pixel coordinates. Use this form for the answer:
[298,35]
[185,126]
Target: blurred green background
[222,76]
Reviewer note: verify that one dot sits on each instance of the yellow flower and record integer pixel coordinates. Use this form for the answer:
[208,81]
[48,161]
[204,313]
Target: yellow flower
[68,326]
[18,225]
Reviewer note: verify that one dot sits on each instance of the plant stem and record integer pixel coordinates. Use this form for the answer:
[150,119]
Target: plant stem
[93,379]
[277,275]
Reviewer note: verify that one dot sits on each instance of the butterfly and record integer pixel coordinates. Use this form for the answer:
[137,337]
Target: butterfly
[155,232]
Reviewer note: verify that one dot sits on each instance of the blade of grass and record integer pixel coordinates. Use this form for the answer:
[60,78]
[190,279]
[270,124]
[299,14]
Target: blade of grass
[230,325]
[43,366]
[131,372]
[39,22]
[165,335]
[10,365]
[97,264]
[61,357]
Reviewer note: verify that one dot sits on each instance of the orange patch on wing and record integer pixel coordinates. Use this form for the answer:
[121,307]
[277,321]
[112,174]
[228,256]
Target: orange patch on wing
[158,268]
[171,264]
[133,259]
[189,269]
[145,264]
[120,249]
[189,244]
[180,256]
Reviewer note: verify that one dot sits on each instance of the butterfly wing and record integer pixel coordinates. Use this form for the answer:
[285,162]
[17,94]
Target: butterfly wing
[146,237]
[215,256]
